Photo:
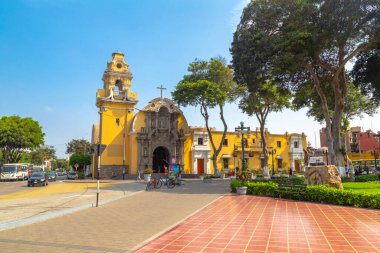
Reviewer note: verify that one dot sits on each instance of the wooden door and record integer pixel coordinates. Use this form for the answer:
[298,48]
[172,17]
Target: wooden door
[201,166]
[297,165]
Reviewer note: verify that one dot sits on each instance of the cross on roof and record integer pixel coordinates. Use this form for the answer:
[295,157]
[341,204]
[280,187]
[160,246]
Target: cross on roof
[161,88]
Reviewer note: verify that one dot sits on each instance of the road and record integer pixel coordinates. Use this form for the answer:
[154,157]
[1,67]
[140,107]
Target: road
[11,187]
[118,226]
[21,205]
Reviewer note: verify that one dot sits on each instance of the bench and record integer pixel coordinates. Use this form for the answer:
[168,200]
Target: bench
[289,187]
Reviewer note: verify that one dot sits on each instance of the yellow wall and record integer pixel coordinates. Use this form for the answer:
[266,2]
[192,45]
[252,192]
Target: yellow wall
[118,138]
[254,163]
[112,134]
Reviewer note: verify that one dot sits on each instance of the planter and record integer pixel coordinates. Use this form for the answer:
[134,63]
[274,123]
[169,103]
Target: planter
[222,176]
[241,190]
[147,177]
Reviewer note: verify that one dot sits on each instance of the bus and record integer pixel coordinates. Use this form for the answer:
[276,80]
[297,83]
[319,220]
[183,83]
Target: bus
[15,171]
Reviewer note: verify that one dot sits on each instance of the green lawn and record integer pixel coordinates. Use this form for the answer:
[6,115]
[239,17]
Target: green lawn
[364,187]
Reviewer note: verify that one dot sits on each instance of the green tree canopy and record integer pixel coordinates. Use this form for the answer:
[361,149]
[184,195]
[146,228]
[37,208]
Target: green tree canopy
[298,42]
[210,84]
[60,164]
[42,154]
[260,101]
[18,134]
[357,104]
[80,159]
[77,146]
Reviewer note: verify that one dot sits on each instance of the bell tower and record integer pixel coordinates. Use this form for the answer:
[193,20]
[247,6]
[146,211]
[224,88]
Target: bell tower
[116,105]
[117,79]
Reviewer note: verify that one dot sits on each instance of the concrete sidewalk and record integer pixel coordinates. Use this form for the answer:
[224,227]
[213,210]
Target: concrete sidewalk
[39,203]
[118,226]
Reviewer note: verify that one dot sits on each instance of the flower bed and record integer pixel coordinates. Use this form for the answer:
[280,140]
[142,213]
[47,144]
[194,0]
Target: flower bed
[320,194]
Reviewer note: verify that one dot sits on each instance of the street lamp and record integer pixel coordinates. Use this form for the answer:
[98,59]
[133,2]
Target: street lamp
[273,152]
[242,128]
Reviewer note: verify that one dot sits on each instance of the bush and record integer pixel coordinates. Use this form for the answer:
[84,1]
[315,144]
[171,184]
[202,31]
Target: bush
[80,175]
[292,179]
[261,188]
[235,183]
[366,178]
[261,179]
[319,193]
[347,179]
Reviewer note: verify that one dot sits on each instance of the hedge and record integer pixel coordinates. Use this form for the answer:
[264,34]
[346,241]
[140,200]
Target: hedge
[292,179]
[320,194]
[366,178]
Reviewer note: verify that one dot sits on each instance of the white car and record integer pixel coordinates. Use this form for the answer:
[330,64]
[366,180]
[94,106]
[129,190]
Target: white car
[72,175]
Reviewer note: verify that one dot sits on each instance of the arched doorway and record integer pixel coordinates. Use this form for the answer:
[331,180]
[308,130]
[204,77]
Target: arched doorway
[160,158]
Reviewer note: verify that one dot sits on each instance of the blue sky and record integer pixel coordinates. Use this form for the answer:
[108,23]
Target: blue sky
[53,54]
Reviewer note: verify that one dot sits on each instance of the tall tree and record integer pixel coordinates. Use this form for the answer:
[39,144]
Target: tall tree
[309,41]
[77,146]
[42,154]
[366,72]
[260,102]
[81,159]
[17,135]
[210,84]
[357,103]
[60,164]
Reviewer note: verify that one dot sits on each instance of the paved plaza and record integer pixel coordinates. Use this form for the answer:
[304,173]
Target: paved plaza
[117,226]
[257,224]
[198,217]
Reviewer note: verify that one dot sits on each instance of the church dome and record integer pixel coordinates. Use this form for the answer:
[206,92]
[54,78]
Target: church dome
[156,104]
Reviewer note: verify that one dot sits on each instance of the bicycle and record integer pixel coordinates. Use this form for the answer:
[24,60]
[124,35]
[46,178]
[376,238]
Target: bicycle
[154,183]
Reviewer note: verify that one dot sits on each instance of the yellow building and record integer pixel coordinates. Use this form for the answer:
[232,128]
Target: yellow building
[159,134]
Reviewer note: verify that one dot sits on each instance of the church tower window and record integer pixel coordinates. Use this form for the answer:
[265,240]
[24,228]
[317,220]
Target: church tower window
[118,87]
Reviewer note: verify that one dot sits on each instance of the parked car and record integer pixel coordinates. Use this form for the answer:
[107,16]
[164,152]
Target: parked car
[72,175]
[52,176]
[38,178]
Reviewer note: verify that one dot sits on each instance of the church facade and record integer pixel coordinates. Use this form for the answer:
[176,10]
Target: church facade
[159,134]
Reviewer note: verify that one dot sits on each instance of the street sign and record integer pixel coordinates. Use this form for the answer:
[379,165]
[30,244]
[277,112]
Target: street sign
[76,166]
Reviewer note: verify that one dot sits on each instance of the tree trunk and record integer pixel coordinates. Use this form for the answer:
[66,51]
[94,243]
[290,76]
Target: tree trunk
[261,117]
[340,93]
[325,110]
[216,151]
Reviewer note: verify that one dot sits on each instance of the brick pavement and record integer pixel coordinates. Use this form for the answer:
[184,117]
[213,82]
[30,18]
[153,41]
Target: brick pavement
[118,226]
[236,224]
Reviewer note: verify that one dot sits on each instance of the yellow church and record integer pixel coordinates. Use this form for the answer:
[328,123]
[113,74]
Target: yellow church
[159,134]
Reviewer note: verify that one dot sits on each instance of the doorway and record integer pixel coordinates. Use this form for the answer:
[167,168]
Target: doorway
[160,159]
[297,165]
[201,166]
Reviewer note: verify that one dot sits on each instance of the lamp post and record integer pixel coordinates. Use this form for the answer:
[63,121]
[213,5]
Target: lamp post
[273,152]
[242,128]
